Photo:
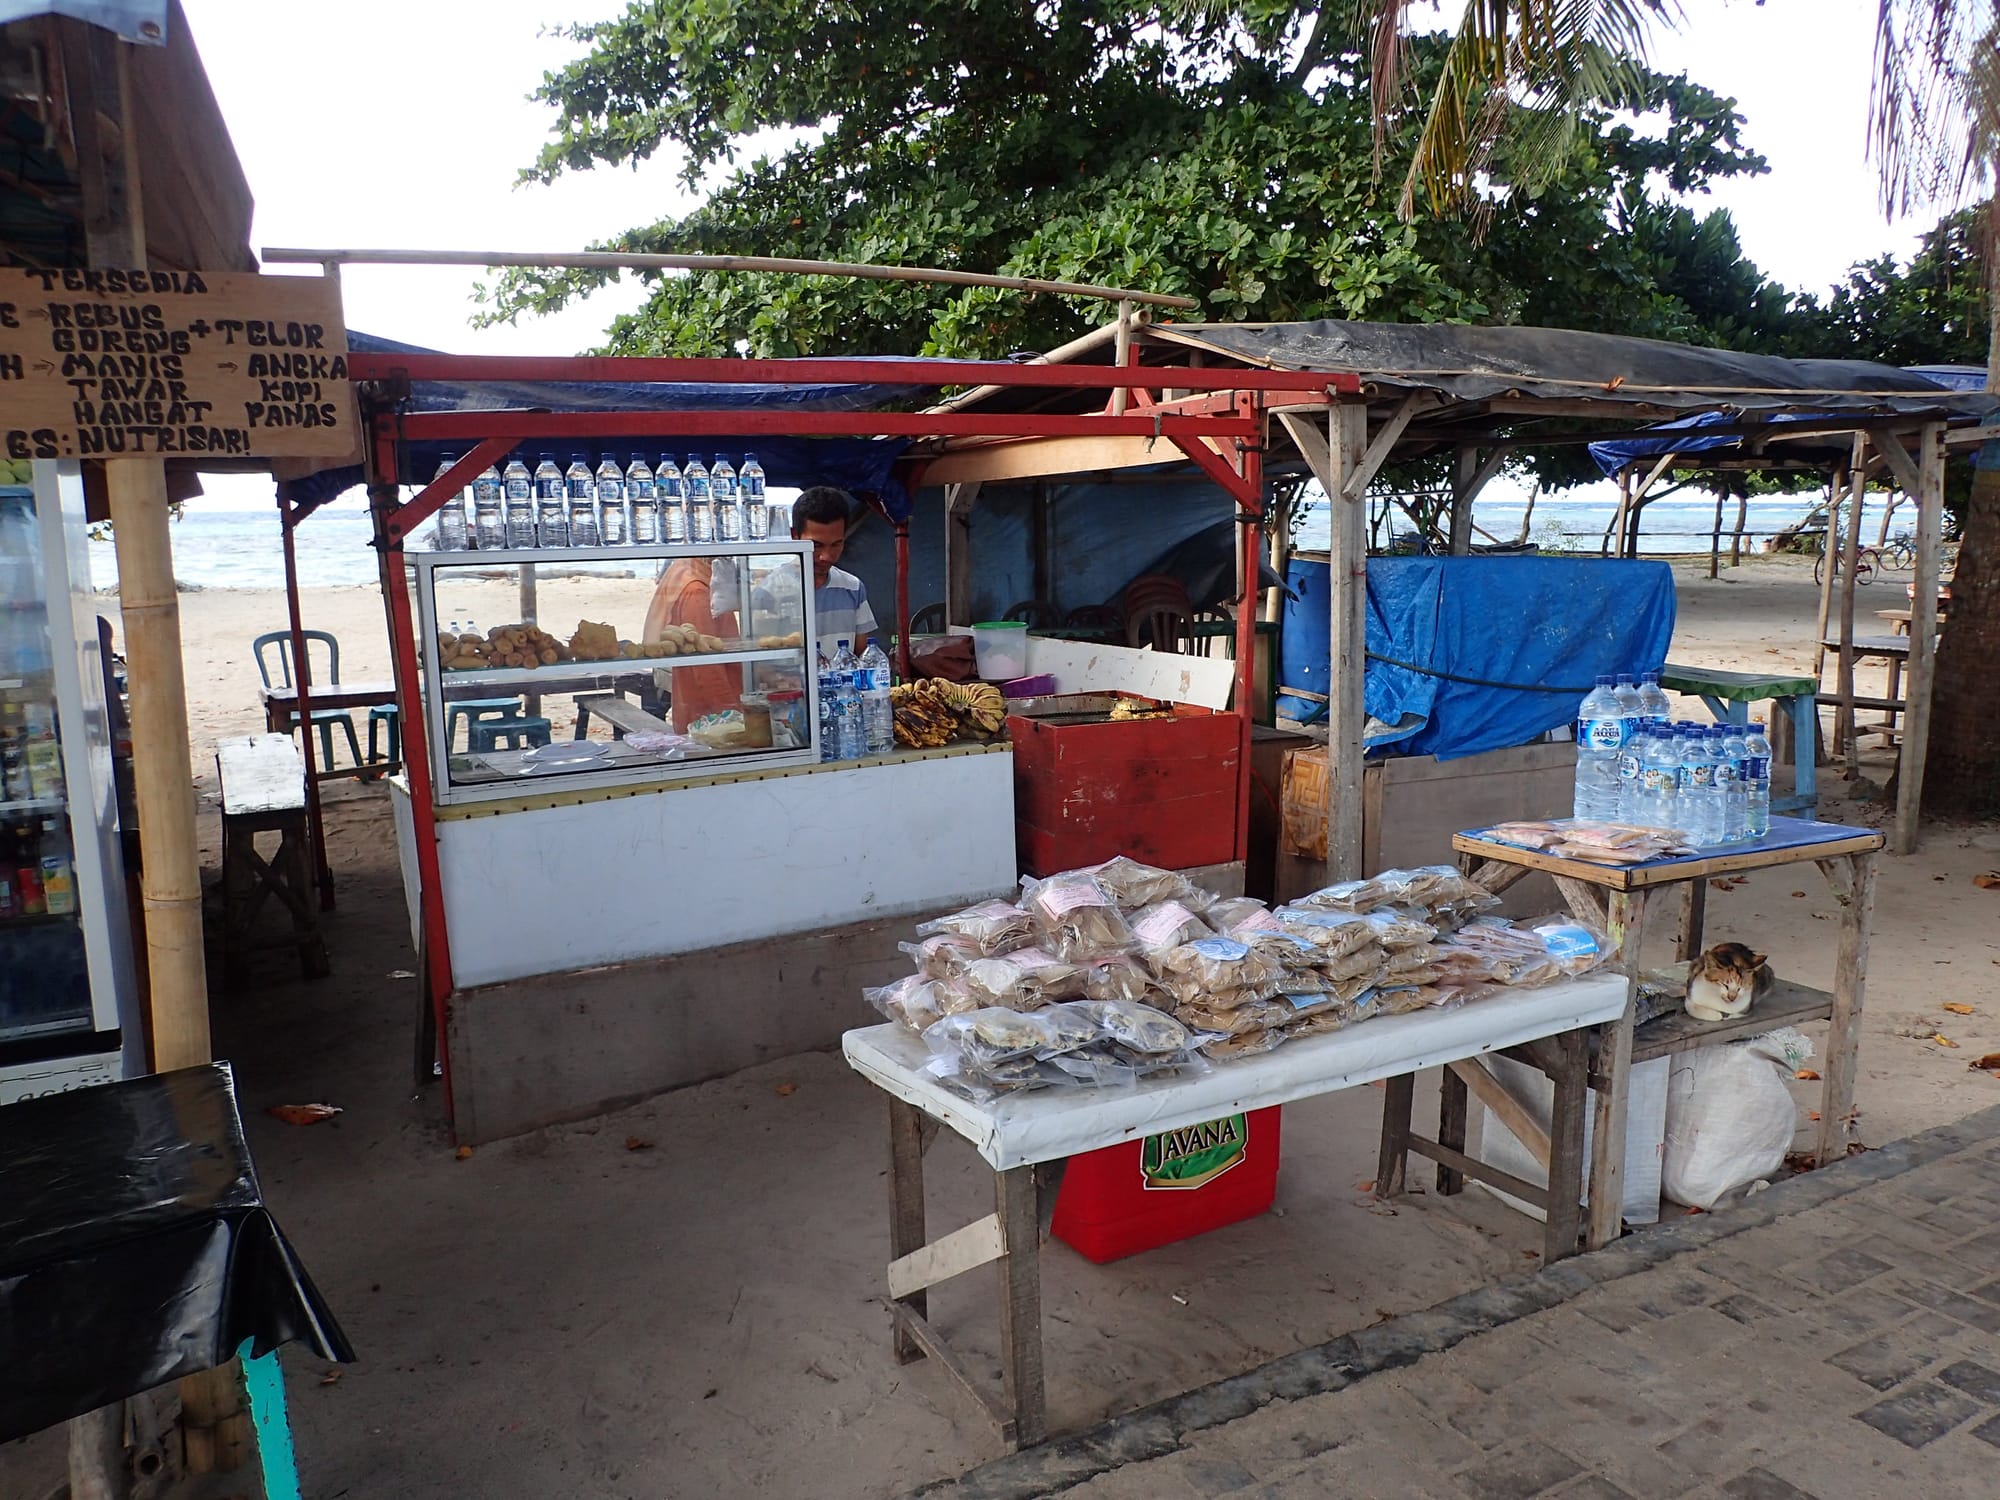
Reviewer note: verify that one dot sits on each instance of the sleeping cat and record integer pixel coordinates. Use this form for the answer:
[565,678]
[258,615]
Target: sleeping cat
[1726,981]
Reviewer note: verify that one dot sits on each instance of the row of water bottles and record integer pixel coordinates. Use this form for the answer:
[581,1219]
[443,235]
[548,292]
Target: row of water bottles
[855,714]
[1634,765]
[637,505]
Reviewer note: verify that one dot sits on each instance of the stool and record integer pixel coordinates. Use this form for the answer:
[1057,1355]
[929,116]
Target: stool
[476,711]
[263,780]
[514,730]
[385,714]
[1729,696]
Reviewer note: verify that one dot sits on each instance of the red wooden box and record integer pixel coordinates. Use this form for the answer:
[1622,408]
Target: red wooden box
[1161,791]
[1141,1194]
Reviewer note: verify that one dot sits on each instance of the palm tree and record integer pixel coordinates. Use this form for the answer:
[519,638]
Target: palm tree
[1522,69]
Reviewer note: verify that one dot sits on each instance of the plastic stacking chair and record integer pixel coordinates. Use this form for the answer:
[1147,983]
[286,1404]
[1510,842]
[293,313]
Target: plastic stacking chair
[1036,614]
[383,716]
[1163,626]
[521,731]
[928,621]
[278,644]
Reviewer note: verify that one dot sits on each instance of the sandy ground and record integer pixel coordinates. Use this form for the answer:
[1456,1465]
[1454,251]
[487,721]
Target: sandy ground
[697,1314]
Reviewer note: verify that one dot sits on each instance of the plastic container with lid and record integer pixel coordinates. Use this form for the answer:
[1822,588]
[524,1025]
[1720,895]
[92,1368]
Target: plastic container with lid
[756,709]
[1000,647]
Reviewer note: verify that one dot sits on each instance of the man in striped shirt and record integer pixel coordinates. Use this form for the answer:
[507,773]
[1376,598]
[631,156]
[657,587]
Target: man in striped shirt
[840,602]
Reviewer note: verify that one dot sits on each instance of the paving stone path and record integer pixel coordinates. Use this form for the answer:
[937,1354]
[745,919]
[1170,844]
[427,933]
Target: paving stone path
[1835,1338]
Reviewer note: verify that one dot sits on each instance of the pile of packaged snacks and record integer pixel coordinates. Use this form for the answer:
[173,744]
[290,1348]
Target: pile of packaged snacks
[1105,975]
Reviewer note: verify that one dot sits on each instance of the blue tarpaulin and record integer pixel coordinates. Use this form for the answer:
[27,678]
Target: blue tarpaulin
[1468,654]
[856,464]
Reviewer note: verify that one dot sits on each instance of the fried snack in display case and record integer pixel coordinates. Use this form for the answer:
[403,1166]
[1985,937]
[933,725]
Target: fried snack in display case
[612,664]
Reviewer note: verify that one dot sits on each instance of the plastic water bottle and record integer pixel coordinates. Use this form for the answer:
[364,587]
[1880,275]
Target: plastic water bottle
[610,481]
[756,510]
[643,500]
[1625,689]
[852,730]
[830,688]
[1701,811]
[1659,779]
[878,717]
[700,502]
[1653,705]
[451,532]
[728,502]
[1756,782]
[489,524]
[673,506]
[1631,762]
[551,507]
[1731,752]
[580,492]
[517,494]
[1600,735]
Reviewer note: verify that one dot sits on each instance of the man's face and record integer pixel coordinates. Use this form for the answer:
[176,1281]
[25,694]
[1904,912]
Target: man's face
[829,539]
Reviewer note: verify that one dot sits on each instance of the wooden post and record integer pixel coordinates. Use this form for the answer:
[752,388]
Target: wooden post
[1850,552]
[1715,540]
[1736,537]
[1347,554]
[1836,492]
[1923,640]
[1627,923]
[958,500]
[1014,1201]
[532,700]
[1843,1035]
[1466,465]
[1617,526]
[1121,355]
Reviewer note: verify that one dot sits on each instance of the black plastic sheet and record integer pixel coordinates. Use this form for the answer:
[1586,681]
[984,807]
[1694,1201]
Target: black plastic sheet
[135,1247]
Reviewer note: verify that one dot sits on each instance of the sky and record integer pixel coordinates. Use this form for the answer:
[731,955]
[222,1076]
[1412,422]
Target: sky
[420,120]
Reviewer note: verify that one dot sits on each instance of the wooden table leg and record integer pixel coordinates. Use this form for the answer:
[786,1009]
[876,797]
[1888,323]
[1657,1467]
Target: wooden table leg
[1398,1100]
[1626,918]
[906,1209]
[1843,1036]
[1572,1084]
[1451,1129]
[1694,915]
[1014,1198]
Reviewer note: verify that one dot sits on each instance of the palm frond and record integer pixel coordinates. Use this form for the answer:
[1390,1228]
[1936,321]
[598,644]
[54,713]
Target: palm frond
[1934,109]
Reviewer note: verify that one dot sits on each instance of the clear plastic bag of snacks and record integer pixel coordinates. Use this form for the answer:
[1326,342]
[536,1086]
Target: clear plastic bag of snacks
[1402,960]
[1255,1015]
[996,926]
[1097,1067]
[1021,980]
[1227,913]
[1070,1025]
[1397,927]
[1213,965]
[1132,885]
[1576,949]
[1348,895]
[1138,1028]
[1166,924]
[1434,886]
[941,955]
[1332,932]
[1243,1044]
[913,1000]
[989,1036]
[1076,919]
[1120,978]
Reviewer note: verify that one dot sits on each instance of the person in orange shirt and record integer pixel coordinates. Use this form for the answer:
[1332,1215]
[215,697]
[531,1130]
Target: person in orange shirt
[684,597]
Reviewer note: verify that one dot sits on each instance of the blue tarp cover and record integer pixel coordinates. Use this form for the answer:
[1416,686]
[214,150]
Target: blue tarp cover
[855,463]
[1531,633]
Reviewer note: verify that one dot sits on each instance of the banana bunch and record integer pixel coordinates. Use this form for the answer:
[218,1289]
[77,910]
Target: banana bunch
[974,708]
[922,721]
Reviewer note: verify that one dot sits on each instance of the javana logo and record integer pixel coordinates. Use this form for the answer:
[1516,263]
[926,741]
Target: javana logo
[1195,1155]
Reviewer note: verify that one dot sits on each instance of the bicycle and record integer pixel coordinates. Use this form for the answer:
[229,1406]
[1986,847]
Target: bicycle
[1900,551]
[1866,563]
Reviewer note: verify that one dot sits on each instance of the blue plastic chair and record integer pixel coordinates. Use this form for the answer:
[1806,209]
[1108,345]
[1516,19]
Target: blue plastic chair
[474,712]
[325,720]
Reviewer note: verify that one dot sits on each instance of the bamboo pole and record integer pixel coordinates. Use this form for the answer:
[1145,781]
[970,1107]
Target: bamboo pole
[1836,491]
[1922,673]
[1850,552]
[1715,540]
[1736,537]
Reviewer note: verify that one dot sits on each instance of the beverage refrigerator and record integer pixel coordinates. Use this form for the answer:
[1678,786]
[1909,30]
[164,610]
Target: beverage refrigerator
[68,993]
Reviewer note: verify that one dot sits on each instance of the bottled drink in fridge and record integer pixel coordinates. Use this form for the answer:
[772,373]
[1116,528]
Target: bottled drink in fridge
[756,512]
[1600,735]
[1730,752]
[517,497]
[643,501]
[1756,783]
[1701,814]
[551,504]
[700,503]
[611,528]
[452,535]
[673,506]
[1659,779]
[878,718]
[853,734]
[728,503]
[1653,705]
[489,524]
[580,493]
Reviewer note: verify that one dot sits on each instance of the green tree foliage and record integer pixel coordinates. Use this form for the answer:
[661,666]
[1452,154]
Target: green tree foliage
[1931,311]
[1223,152]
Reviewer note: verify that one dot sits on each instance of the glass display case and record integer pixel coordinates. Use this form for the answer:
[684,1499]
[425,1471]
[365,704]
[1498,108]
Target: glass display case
[611,665]
[65,957]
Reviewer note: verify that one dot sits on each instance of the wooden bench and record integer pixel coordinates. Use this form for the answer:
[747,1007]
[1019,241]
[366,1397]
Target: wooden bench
[624,718]
[1794,718]
[263,781]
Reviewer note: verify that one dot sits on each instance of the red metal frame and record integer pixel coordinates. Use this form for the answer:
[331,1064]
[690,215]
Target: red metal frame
[1219,428]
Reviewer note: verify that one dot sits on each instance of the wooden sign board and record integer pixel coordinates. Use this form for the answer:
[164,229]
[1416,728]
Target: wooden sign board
[173,364]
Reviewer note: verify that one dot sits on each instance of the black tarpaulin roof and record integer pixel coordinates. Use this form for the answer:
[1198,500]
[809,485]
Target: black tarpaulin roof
[1467,363]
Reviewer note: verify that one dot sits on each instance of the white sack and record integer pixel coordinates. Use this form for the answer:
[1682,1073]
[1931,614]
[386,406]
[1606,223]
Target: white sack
[1730,1117]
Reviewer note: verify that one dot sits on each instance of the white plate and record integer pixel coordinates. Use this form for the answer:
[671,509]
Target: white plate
[566,752]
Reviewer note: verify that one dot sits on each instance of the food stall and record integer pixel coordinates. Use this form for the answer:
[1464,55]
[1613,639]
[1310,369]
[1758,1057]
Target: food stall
[598,882]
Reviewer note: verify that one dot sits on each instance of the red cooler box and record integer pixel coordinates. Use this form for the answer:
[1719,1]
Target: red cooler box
[1132,1197]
